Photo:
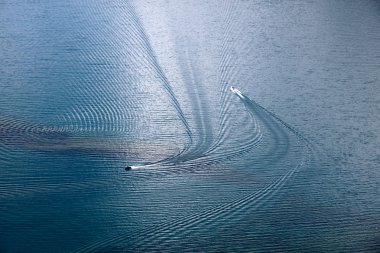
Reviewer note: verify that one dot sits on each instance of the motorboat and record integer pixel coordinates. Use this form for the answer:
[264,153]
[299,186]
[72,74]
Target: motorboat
[236,91]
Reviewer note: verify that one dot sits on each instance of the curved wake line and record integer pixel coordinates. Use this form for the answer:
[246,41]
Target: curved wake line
[228,68]
[94,113]
[210,155]
[165,82]
[195,89]
[215,216]
[186,222]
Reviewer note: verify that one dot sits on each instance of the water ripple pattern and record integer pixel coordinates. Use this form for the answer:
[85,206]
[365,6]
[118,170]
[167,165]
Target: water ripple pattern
[189,126]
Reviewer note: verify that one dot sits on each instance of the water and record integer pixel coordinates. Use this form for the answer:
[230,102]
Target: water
[89,87]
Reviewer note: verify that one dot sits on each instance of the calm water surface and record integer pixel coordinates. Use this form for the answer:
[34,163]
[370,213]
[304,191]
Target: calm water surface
[89,87]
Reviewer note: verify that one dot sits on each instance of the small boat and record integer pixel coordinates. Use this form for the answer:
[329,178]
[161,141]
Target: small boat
[236,91]
[128,168]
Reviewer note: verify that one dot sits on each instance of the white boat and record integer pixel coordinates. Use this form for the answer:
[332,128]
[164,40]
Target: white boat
[236,91]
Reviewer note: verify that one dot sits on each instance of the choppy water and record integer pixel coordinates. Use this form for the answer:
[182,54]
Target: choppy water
[89,87]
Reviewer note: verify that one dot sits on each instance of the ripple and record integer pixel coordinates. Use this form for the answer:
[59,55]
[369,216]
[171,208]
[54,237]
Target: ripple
[279,133]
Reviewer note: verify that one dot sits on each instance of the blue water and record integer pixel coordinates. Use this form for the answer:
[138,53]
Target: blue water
[90,87]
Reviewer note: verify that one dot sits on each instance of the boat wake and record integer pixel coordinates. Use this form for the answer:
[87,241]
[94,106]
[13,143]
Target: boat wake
[278,140]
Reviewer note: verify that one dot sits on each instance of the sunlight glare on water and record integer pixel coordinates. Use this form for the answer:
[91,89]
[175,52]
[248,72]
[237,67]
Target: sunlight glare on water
[120,132]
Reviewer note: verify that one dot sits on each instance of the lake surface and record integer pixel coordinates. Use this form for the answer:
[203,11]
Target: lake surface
[290,164]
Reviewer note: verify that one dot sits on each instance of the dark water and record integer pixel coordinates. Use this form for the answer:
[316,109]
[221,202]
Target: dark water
[89,87]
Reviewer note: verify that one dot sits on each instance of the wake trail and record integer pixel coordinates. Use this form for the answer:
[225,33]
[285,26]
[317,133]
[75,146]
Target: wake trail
[165,82]
[228,212]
